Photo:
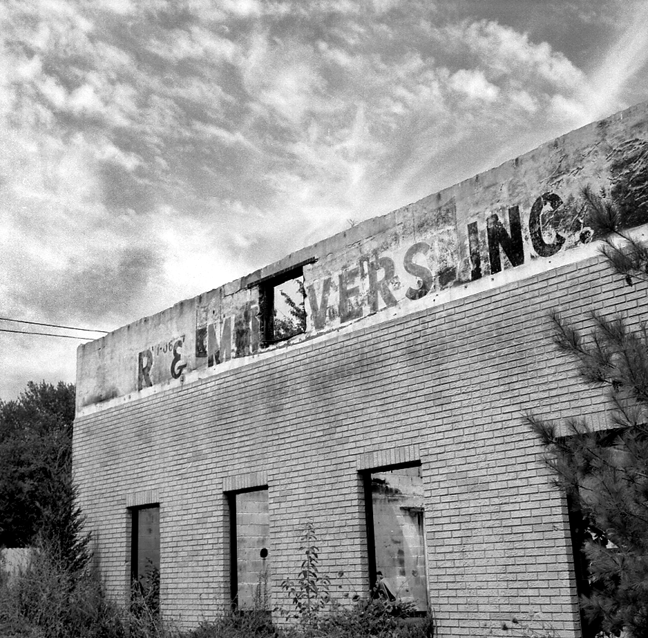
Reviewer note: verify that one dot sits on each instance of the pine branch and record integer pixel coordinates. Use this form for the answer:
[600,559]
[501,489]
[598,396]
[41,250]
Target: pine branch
[627,256]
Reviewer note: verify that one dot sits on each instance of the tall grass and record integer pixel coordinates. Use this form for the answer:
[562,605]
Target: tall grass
[49,600]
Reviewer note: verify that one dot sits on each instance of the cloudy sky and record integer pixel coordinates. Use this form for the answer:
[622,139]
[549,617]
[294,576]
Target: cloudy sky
[151,150]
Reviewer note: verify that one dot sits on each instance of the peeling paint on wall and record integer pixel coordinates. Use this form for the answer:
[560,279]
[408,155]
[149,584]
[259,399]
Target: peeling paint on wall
[225,330]
[528,209]
[161,362]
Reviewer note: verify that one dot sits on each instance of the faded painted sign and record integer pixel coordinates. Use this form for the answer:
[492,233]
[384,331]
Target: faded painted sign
[161,362]
[222,335]
[528,210]
[443,255]
[428,251]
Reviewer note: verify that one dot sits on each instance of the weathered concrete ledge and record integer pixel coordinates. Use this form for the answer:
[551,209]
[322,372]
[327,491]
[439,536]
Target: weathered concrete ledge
[506,223]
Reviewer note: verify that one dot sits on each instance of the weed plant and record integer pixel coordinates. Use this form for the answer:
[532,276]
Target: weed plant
[45,601]
[309,592]
[365,619]
[374,618]
[237,624]
[49,600]
[319,616]
[58,598]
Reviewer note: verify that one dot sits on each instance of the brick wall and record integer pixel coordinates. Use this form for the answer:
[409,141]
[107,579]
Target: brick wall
[447,386]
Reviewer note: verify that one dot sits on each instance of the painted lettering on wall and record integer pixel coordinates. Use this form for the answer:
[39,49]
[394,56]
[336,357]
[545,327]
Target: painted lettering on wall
[427,257]
[223,335]
[499,242]
[536,227]
[161,362]
[319,303]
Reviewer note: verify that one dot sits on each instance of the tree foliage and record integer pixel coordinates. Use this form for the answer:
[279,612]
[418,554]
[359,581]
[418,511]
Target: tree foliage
[37,493]
[294,323]
[611,221]
[605,473]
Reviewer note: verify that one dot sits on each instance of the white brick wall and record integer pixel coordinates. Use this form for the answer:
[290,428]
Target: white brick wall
[448,386]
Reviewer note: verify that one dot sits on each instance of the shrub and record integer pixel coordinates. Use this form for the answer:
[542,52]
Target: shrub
[375,618]
[51,598]
[365,619]
[321,617]
[238,624]
[46,599]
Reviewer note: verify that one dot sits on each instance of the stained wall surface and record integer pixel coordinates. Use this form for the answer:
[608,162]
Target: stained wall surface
[427,342]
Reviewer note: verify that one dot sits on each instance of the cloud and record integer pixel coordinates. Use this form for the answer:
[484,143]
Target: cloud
[121,7]
[155,149]
[474,84]
[121,189]
[625,59]
[94,291]
[506,55]
[35,358]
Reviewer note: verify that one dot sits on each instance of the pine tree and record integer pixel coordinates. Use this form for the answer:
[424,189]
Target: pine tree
[605,473]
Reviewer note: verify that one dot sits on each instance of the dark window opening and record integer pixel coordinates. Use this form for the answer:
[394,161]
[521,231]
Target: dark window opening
[583,530]
[395,536]
[250,550]
[282,307]
[145,557]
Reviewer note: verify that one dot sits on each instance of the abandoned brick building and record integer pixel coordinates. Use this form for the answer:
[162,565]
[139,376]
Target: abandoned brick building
[388,410]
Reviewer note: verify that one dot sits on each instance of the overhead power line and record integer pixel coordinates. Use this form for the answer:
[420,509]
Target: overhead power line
[49,325]
[44,334]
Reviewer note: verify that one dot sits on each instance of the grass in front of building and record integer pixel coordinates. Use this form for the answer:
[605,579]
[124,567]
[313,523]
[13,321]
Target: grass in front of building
[47,601]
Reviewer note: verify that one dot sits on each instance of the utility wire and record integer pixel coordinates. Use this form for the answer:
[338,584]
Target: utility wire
[44,334]
[50,325]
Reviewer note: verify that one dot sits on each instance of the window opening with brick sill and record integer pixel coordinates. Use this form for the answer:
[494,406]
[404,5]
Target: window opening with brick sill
[395,535]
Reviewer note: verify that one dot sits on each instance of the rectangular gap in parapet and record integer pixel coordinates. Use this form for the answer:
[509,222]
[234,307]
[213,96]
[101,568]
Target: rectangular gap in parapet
[283,309]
